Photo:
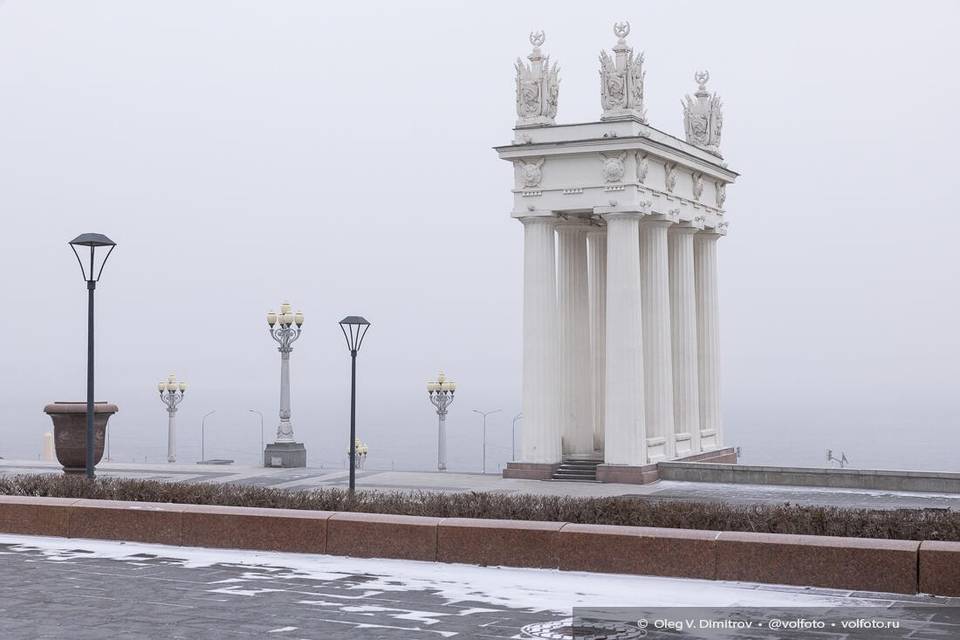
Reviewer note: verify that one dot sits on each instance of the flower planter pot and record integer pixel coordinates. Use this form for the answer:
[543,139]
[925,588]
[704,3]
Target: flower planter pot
[70,432]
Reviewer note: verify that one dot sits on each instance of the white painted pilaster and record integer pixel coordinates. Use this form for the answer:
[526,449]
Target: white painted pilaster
[708,338]
[540,432]
[597,276]
[657,357]
[683,319]
[624,424]
[575,372]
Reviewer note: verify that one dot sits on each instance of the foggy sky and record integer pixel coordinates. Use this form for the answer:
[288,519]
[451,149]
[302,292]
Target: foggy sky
[339,157]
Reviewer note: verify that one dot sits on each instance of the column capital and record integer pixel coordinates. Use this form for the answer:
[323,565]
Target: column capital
[545,217]
[671,217]
[616,213]
[576,224]
[634,210]
[714,233]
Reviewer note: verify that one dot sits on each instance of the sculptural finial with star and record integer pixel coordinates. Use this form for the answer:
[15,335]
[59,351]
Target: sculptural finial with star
[621,79]
[703,116]
[538,86]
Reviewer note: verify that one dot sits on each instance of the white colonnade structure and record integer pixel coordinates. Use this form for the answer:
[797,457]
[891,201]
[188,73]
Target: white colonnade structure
[620,305]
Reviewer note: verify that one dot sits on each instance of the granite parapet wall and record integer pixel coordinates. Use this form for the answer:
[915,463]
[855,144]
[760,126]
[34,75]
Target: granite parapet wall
[892,566]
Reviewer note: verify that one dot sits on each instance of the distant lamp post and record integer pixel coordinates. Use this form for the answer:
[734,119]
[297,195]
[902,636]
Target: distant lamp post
[285,328]
[203,434]
[441,395]
[93,241]
[354,329]
[513,437]
[261,426]
[361,452]
[485,414]
[171,394]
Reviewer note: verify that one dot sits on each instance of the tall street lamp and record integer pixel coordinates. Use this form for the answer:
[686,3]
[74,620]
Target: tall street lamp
[441,395]
[485,414]
[171,395]
[93,241]
[354,329]
[261,425]
[285,328]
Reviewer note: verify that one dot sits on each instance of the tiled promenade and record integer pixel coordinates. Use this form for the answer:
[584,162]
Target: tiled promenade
[54,588]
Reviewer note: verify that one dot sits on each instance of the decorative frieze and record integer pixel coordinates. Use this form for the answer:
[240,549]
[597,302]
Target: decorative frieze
[530,172]
[697,185]
[670,175]
[643,166]
[613,168]
[721,194]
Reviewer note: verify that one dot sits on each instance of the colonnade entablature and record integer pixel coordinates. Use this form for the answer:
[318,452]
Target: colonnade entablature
[620,313]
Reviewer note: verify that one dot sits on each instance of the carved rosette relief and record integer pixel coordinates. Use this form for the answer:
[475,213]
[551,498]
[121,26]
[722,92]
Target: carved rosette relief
[613,168]
[621,79]
[721,194]
[703,116]
[697,185]
[670,175]
[538,86]
[530,172]
[643,166]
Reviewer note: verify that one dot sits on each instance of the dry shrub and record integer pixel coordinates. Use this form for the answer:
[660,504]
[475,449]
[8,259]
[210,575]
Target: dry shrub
[904,524]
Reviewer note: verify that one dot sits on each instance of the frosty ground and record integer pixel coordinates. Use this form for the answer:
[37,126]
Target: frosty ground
[80,589]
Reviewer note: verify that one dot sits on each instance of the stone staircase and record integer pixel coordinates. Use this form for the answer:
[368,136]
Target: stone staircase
[578,469]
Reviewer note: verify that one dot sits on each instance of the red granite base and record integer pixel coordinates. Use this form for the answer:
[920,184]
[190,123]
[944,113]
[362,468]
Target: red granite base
[529,470]
[627,474]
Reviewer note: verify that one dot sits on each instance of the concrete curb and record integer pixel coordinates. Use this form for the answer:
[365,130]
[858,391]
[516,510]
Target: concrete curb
[892,566]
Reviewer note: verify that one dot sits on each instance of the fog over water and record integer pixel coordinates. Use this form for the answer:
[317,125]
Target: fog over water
[339,156]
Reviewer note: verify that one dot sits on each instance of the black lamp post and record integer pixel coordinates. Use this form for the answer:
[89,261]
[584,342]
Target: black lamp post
[354,328]
[92,240]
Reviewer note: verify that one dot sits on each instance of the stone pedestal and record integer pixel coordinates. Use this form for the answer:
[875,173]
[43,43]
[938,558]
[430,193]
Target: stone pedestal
[285,454]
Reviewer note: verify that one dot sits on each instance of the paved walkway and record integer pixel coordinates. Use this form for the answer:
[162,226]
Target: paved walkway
[311,478]
[55,588]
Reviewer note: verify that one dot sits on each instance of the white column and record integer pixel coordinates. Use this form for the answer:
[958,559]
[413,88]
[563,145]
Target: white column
[597,284]
[708,338]
[540,433]
[172,435]
[624,426]
[683,318]
[575,373]
[657,357]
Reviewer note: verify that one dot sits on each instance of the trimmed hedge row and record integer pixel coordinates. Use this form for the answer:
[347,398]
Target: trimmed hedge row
[901,524]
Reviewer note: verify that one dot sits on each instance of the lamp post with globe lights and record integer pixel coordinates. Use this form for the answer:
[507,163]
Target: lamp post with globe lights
[285,329]
[171,394]
[441,395]
[361,450]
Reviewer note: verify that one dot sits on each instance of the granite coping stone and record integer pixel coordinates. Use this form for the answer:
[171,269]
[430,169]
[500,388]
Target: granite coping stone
[509,543]
[377,535]
[28,515]
[939,566]
[154,522]
[261,529]
[651,551]
[819,561]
